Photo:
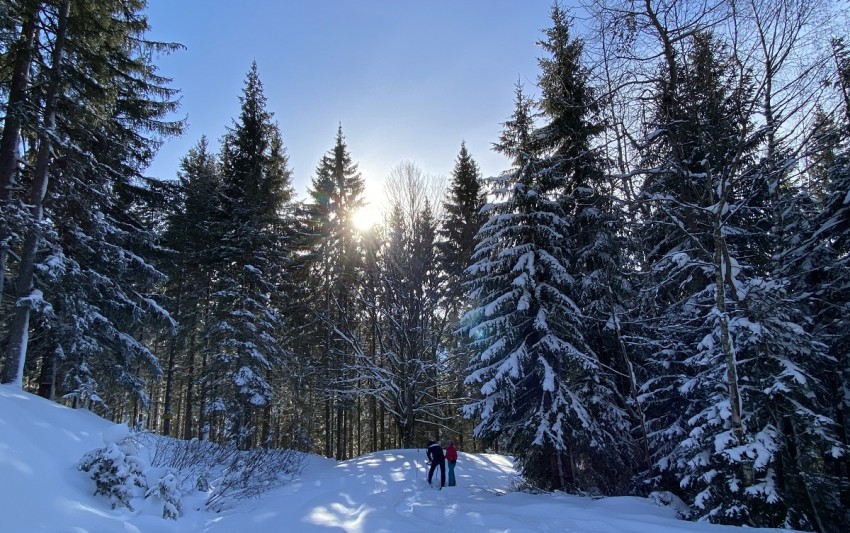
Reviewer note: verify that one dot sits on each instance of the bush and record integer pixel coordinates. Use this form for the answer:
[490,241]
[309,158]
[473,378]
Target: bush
[228,475]
[183,467]
[191,461]
[249,474]
[116,470]
[167,490]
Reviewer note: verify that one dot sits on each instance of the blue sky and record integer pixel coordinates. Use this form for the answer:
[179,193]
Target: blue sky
[407,80]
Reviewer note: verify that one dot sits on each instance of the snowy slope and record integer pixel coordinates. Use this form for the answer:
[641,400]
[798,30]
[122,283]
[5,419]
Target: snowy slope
[41,490]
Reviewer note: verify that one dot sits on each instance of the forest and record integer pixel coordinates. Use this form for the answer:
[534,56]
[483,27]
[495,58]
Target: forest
[655,295]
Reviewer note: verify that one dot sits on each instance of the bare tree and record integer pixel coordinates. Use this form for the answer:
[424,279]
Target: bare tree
[408,188]
[397,360]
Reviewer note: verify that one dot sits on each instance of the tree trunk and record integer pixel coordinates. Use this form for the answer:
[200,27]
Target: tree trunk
[373,423]
[203,389]
[19,330]
[203,419]
[172,356]
[373,401]
[266,422]
[329,451]
[190,389]
[726,342]
[338,453]
[383,431]
[47,379]
[11,137]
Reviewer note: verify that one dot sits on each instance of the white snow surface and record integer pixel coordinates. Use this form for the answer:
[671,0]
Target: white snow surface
[41,443]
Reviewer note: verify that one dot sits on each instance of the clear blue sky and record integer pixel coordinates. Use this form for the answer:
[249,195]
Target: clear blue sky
[408,80]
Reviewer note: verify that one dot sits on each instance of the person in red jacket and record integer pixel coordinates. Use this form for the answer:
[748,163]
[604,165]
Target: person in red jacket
[451,458]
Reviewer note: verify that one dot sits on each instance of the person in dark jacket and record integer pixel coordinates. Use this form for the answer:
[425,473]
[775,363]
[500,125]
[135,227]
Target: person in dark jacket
[451,458]
[436,457]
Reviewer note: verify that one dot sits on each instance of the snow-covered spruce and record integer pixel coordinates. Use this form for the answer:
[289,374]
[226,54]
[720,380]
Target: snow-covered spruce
[116,468]
[167,489]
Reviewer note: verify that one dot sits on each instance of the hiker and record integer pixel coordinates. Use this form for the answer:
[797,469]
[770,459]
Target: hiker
[451,458]
[436,457]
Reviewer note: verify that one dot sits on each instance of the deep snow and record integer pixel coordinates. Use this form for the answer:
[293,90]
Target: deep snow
[41,443]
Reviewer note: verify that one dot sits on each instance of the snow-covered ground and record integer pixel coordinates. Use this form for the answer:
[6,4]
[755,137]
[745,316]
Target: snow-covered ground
[41,490]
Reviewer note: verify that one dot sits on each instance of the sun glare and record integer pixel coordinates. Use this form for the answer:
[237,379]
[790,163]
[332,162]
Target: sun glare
[366,217]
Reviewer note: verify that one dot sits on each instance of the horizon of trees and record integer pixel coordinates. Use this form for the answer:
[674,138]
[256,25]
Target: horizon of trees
[654,295]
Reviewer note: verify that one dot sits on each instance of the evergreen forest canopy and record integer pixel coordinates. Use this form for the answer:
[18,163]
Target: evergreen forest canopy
[655,295]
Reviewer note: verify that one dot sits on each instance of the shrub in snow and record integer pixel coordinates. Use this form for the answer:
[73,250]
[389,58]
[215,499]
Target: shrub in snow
[663,498]
[250,474]
[226,474]
[167,489]
[203,483]
[191,461]
[116,469]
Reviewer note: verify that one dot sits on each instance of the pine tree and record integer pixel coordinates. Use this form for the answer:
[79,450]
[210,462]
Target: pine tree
[461,221]
[243,349]
[732,356]
[545,394]
[108,105]
[337,194]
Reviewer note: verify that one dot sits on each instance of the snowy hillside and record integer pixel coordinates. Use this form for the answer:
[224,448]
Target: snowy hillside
[41,443]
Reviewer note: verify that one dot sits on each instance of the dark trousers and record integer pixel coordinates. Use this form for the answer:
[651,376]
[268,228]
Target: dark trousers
[452,473]
[442,464]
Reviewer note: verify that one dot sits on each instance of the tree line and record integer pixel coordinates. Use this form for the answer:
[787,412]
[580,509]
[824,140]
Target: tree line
[652,297]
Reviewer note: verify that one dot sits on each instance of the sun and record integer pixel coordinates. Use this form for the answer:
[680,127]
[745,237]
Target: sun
[366,217]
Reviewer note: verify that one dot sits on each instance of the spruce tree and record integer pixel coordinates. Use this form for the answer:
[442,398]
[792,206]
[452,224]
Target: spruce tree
[593,238]
[460,223]
[816,260]
[244,351]
[108,109]
[462,218]
[190,237]
[17,57]
[545,394]
[733,360]
[334,260]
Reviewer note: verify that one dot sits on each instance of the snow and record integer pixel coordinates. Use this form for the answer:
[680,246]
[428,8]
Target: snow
[115,433]
[41,443]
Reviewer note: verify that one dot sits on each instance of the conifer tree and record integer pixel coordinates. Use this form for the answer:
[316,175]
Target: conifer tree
[190,236]
[545,394]
[107,106]
[19,56]
[462,218]
[815,258]
[594,228]
[337,194]
[732,356]
[461,221]
[244,352]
